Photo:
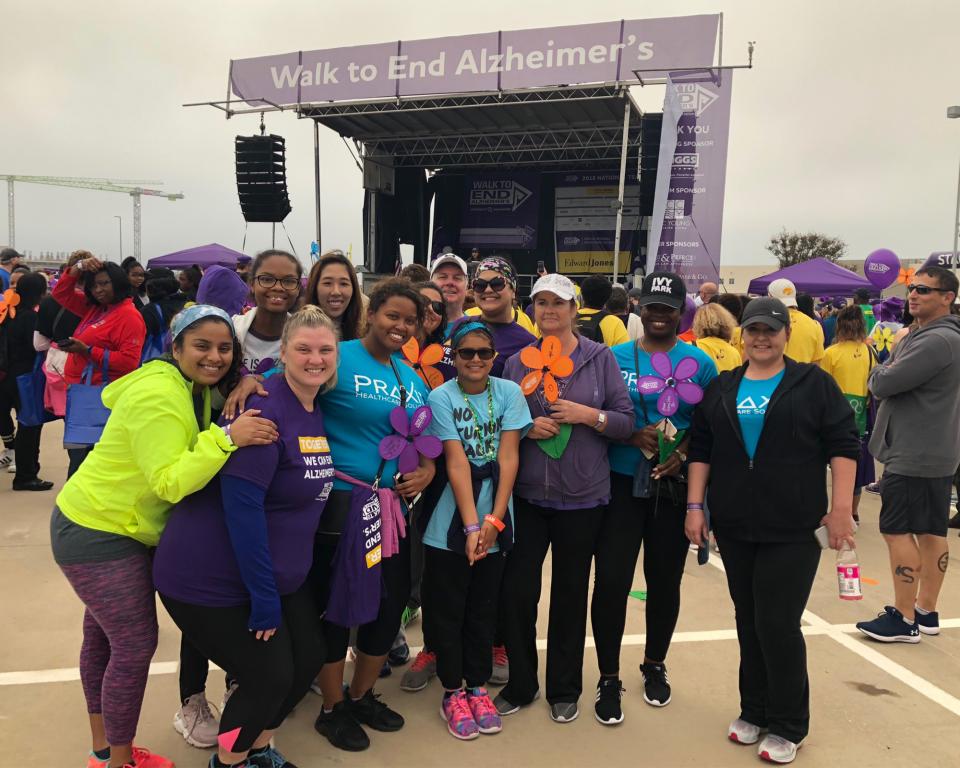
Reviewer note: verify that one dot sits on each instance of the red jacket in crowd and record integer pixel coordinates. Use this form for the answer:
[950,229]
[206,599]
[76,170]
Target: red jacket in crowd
[118,327]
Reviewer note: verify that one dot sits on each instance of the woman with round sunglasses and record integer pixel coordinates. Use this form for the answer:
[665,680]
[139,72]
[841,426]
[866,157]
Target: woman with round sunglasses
[495,289]
[647,501]
[562,488]
[480,420]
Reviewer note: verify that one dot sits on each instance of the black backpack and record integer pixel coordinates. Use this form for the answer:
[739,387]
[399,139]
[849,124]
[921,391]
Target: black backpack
[588,325]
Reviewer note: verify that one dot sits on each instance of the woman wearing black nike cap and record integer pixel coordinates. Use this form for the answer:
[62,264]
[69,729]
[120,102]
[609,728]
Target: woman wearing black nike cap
[760,443]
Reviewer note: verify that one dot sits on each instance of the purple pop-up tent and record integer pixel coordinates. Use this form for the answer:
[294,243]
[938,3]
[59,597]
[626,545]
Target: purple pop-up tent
[818,277]
[203,256]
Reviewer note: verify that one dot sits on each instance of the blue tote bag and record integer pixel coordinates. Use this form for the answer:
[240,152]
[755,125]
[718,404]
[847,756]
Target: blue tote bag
[86,413]
[30,386]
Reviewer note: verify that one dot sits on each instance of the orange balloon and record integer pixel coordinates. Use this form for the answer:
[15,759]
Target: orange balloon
[530,382]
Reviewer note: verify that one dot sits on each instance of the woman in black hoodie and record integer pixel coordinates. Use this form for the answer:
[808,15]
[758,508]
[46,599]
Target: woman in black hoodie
[760,443]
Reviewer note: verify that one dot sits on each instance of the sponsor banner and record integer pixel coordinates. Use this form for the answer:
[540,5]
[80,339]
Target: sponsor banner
[687,220]
[500,210]
[586,222]
[586,53]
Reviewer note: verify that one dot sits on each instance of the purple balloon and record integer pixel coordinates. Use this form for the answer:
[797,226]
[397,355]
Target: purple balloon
[686,319]
[882,268]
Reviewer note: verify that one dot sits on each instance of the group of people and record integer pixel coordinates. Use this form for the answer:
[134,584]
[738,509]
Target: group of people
[296,478]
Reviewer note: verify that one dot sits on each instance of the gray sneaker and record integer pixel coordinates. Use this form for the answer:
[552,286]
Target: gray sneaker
[501,667]
[505,707]
[196,722]
[564,711]
[421,672]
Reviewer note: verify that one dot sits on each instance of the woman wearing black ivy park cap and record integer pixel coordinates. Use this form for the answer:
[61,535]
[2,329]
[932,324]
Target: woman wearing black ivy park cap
[760,442]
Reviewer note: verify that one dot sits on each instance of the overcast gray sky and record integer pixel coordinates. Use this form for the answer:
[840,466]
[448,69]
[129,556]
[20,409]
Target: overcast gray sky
[841,126]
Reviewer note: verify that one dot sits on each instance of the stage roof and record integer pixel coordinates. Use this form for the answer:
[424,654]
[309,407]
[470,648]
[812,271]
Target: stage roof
[551,126]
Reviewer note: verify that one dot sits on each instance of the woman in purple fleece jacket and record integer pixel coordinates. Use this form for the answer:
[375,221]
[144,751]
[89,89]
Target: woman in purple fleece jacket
[558,502]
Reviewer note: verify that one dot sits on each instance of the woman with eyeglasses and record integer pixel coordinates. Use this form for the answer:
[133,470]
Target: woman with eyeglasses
[562,488]
[495,289]
[333,286]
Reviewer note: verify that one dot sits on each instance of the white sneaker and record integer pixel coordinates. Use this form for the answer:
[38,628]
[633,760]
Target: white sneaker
[12,469]
[196,722]
[743,732]
[776,749]
[6,457]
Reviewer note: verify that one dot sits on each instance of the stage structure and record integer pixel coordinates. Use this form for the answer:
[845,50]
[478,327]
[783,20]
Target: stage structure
[527,142]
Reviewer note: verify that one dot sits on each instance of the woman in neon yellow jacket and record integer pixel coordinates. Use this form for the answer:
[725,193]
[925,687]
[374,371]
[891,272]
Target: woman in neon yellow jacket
[158,446]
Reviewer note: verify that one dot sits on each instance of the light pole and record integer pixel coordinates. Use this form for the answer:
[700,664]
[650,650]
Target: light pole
[952,113]
[120,227]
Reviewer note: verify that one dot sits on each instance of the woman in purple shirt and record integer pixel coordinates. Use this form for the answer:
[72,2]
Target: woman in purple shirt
[234,557]
[561,489]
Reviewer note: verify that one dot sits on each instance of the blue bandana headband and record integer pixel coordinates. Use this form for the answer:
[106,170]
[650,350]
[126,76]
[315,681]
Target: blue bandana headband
[192,314]
[471,326]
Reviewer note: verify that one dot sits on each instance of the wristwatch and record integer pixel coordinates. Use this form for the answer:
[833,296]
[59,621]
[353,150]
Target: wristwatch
[601,421]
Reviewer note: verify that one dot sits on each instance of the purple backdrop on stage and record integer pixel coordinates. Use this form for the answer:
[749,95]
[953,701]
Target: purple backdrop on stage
[500,209]
[687,221]
[529,58]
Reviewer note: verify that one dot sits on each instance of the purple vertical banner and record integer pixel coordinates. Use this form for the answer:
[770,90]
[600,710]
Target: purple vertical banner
[688,202]
[500,209]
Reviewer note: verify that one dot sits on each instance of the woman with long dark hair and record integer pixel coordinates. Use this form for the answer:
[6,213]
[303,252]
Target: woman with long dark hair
[333,286]
[138,281]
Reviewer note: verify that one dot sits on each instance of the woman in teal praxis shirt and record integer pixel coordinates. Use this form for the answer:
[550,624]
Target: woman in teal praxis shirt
[760,442]
[372,380]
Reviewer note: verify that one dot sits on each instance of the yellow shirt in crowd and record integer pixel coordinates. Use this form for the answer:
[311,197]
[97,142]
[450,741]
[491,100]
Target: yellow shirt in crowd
[520,317]
[612,327]
[725,355]
[806,338]
[849,362]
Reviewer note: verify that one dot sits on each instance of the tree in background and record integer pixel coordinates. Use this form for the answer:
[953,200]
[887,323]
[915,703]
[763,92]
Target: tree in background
[795,247]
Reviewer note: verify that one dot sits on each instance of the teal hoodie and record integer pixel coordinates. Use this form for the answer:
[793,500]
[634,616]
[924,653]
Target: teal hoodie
[150,456]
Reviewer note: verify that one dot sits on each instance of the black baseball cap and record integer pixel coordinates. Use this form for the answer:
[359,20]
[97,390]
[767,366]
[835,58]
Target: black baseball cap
[664,288]
[768,311]
[9,254]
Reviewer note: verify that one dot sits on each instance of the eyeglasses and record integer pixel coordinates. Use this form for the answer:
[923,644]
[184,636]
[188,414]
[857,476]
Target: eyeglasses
[287,283]
[925,290]
[468,353]
[496,285]
[437,307]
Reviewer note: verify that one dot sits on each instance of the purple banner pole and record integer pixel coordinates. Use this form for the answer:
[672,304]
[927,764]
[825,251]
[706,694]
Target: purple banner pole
[688,202]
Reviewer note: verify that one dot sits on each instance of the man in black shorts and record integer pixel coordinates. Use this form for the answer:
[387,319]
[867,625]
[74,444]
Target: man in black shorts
[917,440]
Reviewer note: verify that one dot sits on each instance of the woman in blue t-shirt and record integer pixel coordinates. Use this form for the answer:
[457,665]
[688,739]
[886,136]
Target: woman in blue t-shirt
[361,571]
[480,421]
[247,539]
[646,504]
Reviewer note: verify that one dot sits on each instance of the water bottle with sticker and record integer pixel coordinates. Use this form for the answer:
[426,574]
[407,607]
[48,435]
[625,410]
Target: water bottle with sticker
[848,573]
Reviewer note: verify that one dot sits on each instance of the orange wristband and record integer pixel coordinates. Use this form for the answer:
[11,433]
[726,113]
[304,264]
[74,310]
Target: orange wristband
[495,522]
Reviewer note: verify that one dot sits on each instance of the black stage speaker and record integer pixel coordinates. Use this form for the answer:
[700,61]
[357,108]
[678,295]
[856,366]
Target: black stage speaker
[262,178]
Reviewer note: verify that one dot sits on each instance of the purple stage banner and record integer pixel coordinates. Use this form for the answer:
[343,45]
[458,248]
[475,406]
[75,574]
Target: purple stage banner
[606,52]
[500,210]
[687,222]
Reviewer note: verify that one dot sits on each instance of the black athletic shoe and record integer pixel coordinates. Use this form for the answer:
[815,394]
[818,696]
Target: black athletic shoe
[341,728]
[607,708]
[656,687]
[374,713]
[267,758]
[399,655]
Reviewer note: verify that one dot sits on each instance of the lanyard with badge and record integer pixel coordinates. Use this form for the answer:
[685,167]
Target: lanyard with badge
[489,451]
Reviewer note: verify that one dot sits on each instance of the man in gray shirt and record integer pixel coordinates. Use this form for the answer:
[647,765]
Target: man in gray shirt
[917,439]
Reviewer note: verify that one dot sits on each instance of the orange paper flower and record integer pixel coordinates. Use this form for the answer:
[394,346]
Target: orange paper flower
[8,304]
[906,276]
[545,364]
[423,362]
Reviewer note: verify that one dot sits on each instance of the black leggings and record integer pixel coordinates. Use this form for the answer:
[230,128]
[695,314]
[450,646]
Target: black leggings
[193,670]
[462,605]
[627,523]
[376,637]
[272,676]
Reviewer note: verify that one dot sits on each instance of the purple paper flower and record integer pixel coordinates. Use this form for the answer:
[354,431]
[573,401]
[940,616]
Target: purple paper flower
[672,384]
[409,442]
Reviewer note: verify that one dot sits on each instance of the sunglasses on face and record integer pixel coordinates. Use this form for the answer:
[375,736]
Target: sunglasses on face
[287,283]
[496,285]
[468,353]
[437,307]
[925,290]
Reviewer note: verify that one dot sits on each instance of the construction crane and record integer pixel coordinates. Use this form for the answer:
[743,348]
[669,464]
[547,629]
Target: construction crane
[126,186]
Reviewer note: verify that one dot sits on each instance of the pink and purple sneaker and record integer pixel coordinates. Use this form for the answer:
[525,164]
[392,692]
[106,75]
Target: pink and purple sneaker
[456,711]
[484,713]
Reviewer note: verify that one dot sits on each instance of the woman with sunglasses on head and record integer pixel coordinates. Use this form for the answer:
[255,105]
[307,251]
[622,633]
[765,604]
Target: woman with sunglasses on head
[470,530]
[760,443]
[647,498]
[562,487]
[495,288]
[333,286]
[361,568]
[248,537]
[158,447]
